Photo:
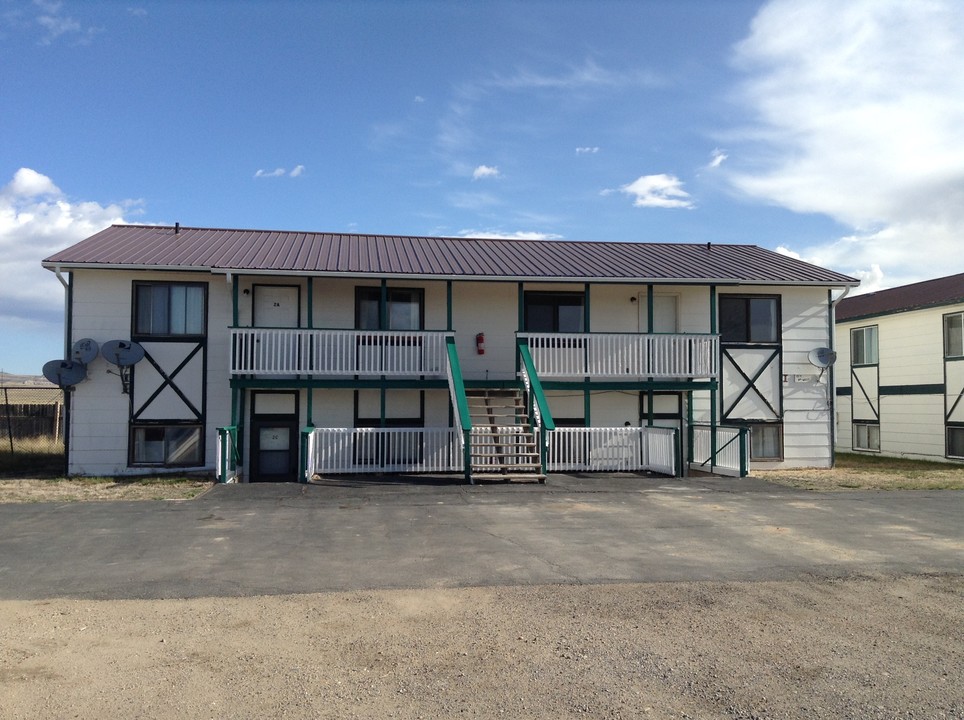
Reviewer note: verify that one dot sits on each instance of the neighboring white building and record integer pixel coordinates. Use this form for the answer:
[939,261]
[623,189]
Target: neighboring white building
[406,354]
[900,371]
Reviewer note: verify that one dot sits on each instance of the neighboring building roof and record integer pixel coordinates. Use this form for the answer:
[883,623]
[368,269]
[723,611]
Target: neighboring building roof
[183,248]
[929,293]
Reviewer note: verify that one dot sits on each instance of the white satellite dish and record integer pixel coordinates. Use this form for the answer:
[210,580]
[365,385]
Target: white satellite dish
[84,351]
[124,354]
[822,357]
[65,373]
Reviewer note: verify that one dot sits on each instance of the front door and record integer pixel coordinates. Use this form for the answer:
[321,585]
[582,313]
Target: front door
[274,437]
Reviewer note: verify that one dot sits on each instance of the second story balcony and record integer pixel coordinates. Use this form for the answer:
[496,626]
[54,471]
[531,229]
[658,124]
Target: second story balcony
[362,353]
[626,356]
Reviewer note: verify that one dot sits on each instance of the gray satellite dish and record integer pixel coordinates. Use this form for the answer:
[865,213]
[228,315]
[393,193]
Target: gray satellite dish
[65,373]
[822,357]
[84,351]
[122,353]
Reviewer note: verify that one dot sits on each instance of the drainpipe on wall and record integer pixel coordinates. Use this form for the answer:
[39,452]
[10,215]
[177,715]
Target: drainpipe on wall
[68,330]
[832,379]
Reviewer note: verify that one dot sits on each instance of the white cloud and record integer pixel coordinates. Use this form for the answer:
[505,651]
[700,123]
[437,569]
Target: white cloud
[517,235]
[659,191]
[485,171]
[277,172]
[472,201]
[716,158]
[586,150]
[36,220]
[859,115]
[419,99]
[297,171]
[56,24]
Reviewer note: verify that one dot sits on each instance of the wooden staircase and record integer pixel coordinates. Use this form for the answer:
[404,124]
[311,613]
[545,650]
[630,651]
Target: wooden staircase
[504,446]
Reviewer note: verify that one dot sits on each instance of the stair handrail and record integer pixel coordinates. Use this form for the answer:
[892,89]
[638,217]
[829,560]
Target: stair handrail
[537,399]
[460,403]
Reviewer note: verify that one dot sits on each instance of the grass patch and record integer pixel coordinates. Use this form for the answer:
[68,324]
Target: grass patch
[80,489]
[855,471]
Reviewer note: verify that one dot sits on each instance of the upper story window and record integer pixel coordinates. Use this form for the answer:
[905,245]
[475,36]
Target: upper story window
[560,312]
[954,335]
[404,311]
[863,346]
[749,319]
[169,309]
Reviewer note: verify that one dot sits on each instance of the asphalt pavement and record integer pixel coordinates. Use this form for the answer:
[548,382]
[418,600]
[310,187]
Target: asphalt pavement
[373,533]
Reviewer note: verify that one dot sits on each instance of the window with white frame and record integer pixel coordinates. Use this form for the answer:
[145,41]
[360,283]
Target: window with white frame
[954,335]
[766,441]
[863,346]
[866,437]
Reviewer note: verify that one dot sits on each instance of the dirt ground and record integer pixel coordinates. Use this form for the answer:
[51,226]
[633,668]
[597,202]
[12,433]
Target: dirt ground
[857,648]
[864,647]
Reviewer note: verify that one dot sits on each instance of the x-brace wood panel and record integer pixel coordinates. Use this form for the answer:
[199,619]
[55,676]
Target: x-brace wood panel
[774,405]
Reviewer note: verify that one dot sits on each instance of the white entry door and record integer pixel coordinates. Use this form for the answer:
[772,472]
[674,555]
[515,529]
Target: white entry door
[276,306]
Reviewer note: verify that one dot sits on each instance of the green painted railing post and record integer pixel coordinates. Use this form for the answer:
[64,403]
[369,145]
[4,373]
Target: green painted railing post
[460,404]
[303,454]
[744,460]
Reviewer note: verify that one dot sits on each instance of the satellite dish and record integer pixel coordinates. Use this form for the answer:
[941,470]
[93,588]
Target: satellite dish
[84,351]
[822,357]
[65,373]
[122,353]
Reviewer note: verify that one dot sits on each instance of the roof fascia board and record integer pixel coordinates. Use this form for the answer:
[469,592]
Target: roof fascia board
[901,311]
[729,282]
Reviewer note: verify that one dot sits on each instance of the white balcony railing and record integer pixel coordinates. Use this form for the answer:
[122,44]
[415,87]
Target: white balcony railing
[381,450]
[438,450]
[284,351]
[731,450]
[624,355]
[613,449]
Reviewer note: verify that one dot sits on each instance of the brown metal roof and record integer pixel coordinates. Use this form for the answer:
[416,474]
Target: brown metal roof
[929,293]
[156,247]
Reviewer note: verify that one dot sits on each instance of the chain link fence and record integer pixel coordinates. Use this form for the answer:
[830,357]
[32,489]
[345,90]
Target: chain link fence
[31,430]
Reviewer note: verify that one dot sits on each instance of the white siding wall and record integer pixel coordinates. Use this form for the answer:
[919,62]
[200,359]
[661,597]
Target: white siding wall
[493,309]
[910,353]
[102,311]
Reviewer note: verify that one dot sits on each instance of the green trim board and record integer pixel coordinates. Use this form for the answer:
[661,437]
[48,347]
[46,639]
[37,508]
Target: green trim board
[931,389]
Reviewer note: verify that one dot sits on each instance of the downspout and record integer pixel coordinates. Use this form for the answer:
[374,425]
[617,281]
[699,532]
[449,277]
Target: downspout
[832,379]
[68,330]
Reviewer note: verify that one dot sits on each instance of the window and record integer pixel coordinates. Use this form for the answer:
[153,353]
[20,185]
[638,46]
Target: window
[866,437]
[863,346]
[766,441]
[749,319]
[954,335]
[554,312]
[955,442]
[404,309]
[166,445]
[169,308]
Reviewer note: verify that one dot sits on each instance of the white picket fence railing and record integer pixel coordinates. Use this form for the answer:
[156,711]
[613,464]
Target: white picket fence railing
[288,351]
[624,355]
[613,449]
[438,450]
[374,450]
[731,450]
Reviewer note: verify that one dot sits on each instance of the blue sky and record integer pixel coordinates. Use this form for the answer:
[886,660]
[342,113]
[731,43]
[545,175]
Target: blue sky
[831,131]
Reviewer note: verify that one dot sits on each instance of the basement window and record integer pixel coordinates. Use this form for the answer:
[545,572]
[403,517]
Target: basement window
[166,445]
[866,437]
[955,442]
[766,441]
